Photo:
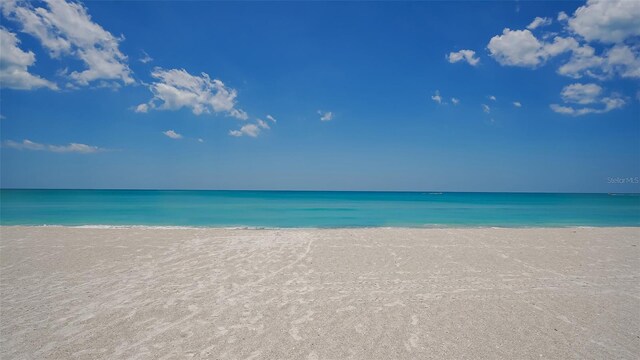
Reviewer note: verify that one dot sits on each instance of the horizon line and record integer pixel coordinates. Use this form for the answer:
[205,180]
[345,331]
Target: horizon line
[361,191]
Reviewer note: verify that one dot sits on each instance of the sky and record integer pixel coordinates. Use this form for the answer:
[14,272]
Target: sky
[391,96]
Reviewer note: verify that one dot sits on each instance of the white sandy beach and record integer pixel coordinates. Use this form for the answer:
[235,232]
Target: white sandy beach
[140,293]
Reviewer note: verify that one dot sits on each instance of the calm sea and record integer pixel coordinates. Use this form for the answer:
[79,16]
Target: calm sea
[314,208]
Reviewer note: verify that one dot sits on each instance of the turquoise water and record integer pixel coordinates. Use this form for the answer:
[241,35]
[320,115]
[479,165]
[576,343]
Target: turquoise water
[314,208]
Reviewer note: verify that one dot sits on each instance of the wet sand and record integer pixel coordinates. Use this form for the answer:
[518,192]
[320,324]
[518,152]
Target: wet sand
[141,293]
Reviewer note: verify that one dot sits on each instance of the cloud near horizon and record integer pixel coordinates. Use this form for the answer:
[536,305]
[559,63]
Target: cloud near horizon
[27,144]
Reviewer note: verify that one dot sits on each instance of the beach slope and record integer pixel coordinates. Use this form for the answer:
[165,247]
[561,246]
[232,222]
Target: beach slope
[145,293]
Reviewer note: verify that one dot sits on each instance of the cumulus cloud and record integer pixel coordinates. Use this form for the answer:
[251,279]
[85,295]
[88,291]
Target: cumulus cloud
[251,130]
[436,97]
[172,134]
[620,60]
[607,21]
[586,94]
[522,48]
[325,115]
[14,64]
[581,93]
[66,28]
[271,118]
[486,108]
[538,22]
[516,48]
[455,101]
[492,98]
[466,55]
[517,104]
[176,88]
[70,148]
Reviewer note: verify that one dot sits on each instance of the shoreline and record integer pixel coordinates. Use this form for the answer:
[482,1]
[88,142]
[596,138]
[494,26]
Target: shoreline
[240,227]
[570,293]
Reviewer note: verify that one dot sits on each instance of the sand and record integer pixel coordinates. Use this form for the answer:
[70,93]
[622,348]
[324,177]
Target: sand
[140,293]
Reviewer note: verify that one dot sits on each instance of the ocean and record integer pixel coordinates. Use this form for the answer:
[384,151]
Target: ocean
[315,209]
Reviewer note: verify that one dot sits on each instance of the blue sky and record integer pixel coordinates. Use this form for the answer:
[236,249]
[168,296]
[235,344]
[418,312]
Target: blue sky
[326,96]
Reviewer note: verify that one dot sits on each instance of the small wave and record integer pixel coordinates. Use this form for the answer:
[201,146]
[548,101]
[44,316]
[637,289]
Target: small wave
[159,227]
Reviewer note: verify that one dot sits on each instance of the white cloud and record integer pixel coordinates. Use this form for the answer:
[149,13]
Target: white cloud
[239,114]
[486,108]
[436,97]
[517,104]
[581,93]
[466,55]
[200,140]
[582,59]
[522,48]
[516,48]
[566,110]
[607,21]
[70,148]
[14,64]
[492,98]
[559,46]
[455,101]
[251,130]
[176,88]
[609,104]
[538,22]
[263,124]
[145,58]
[142,108]
[66,28]
[586,94]
[624,61]
[619,60]
[271,118]
[562,16]
[172,134]
[325,116]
